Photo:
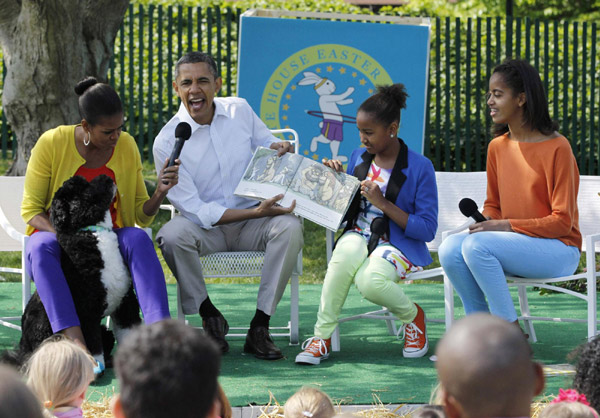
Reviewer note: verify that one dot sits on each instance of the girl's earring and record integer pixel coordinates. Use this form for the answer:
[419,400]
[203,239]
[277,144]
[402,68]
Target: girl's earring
[86,143]
[391,135]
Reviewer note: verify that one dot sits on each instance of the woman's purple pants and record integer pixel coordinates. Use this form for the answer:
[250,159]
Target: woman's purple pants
[43,265]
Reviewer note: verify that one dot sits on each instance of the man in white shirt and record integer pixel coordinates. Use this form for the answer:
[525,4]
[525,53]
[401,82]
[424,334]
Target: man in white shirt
[225,133]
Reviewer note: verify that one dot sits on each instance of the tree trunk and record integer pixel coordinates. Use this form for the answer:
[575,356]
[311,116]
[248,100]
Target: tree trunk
[49,45]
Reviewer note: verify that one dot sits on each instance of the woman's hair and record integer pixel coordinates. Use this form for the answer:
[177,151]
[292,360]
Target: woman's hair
[522,77]
[568,410]
[59,371]
[308,402]
[385,105]
[587,372]
[97,100]
[16,399]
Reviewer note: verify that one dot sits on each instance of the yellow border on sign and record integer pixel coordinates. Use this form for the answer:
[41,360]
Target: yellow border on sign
[315,55]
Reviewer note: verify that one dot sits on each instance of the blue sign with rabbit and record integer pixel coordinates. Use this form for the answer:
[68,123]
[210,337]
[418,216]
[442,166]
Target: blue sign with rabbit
[312,75]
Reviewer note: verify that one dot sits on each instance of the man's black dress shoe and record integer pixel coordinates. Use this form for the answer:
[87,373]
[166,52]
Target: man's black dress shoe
[217,327]
[260,343]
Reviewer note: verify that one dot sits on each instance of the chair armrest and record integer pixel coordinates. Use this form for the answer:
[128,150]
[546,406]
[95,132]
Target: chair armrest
[456,230]
[10,230]
[590,250]
[295,141]
[591,240]
[170,208]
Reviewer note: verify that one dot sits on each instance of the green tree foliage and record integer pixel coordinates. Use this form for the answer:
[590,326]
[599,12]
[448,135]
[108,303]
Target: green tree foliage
[338,6]
[543,9]
[559,9]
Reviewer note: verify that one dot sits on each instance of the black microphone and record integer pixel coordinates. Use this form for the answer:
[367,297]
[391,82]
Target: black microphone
[468,207]
[183,131]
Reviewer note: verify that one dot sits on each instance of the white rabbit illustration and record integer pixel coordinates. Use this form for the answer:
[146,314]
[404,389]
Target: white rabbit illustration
[332,123]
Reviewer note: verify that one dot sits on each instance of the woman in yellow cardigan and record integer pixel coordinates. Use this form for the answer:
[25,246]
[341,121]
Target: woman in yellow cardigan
[94,147]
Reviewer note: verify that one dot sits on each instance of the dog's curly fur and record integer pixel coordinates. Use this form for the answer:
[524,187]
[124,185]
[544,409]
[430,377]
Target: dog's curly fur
[97,277]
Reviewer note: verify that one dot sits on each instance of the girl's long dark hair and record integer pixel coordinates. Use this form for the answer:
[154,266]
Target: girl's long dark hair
[522,77]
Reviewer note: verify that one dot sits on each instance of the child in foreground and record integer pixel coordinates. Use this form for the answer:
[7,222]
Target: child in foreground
[309,402]
[16,399]
[486,369]
[59,373]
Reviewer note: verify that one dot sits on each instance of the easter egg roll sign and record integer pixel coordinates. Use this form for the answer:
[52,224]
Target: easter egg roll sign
[312,75]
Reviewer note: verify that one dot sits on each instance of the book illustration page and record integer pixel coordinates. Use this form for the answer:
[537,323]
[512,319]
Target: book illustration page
[321,185]
[267,167]
[262,167]
[321,194]
[286,168]
[346,192]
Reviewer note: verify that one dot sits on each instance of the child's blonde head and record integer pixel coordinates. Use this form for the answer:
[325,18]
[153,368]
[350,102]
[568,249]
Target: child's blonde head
[59,371]
[568,410]
[309,402]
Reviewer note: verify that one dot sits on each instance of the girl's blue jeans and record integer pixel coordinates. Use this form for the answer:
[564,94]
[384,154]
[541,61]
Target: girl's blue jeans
[477,264]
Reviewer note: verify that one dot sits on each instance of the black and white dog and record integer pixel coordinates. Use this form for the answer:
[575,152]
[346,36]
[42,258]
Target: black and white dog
[96,274]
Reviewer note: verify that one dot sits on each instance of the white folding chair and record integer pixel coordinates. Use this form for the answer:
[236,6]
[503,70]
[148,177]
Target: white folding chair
[588,203]
[13,238]
[249,264]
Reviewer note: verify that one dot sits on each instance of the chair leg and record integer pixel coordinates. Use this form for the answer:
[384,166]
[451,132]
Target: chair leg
[592,319]
[391,323]
[329,241]
[180,314]
[524,305]
[25,283]
[335,339]
[448,302]
[592,314]
[294,302]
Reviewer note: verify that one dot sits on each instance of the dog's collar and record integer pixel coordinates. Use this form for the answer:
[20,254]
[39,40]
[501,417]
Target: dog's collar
[95,228]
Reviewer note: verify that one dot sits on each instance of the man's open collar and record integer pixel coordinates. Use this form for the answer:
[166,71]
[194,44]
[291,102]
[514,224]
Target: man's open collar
[184,116]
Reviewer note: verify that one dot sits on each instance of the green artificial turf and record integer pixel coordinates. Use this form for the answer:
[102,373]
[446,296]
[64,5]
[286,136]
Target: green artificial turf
[370,364]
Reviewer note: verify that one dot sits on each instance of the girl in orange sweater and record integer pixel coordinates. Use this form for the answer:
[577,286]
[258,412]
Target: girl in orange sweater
[533,224]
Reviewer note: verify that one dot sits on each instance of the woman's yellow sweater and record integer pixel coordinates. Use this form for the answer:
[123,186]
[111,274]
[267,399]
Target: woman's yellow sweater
[54,159]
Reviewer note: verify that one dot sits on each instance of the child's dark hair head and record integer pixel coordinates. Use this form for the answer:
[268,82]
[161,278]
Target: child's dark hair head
[587,372]
[486,369]
[97,100]
[16,399]
[167,366]
[522,77]
[386,104]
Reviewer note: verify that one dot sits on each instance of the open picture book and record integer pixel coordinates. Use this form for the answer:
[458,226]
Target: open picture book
[322,195]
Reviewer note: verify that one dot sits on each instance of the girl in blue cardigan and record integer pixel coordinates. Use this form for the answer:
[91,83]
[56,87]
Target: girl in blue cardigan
[387,226]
